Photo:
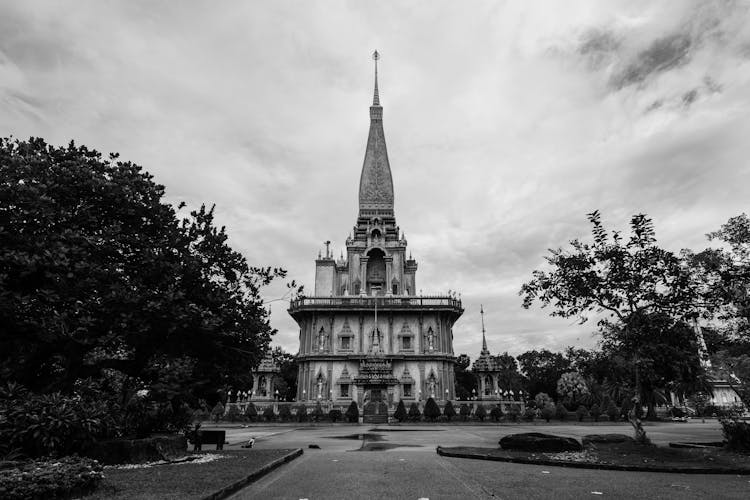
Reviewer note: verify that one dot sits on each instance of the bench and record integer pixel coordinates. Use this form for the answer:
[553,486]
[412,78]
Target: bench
[199,438]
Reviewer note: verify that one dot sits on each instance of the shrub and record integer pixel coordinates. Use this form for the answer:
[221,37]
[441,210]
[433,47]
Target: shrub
[334,415]
[542,399]
[582,412]
[627,404]
[217,412]
[302,413]
[352,413]
[736,433]
[251,413]
[595,412]
[414,413]
[613,411]
[496,413]
[529,414]
[285,413]
[200,415]
[561,412]
[676,412]
[548,411]
[431,410]
[480,413]
[449,411]
[49,424]
[464,411]
[400,413]
[514,412]
[317,412]
[269,415]
[67,477]
[233,414]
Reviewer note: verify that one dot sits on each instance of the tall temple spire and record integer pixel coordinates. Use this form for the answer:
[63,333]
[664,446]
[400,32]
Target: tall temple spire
[375,182]
[484,338]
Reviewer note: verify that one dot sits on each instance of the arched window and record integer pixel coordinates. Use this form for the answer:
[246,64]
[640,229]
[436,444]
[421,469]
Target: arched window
[487,385]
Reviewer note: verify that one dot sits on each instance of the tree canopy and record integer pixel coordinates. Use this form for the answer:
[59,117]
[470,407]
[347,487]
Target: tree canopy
[98,274]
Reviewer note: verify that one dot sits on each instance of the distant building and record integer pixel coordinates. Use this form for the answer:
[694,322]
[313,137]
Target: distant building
[367,335]
[264,379]
[489,371]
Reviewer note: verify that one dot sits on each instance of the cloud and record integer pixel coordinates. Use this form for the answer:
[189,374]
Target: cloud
[505,124]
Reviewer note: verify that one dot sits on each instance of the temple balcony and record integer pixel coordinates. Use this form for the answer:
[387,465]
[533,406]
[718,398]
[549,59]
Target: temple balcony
[384,303]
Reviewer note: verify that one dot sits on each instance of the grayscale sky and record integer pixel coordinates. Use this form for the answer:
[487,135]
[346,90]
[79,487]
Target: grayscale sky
[506,123]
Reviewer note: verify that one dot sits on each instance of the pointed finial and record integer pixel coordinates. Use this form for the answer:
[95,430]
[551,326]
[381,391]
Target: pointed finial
[484,338]
[376,96]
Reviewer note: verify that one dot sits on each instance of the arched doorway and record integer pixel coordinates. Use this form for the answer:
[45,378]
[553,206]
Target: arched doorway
[376,272]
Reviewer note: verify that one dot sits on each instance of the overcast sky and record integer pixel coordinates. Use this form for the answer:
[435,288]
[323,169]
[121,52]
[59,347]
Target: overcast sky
[506,123]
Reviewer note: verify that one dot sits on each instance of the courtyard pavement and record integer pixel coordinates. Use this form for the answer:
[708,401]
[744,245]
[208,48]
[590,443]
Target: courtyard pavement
[395,462]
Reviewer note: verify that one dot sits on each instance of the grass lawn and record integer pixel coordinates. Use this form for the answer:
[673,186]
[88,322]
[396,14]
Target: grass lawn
[183,481]
[628,454]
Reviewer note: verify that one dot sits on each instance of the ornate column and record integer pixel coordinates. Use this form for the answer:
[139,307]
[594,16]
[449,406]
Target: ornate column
[388,273]
[363,274]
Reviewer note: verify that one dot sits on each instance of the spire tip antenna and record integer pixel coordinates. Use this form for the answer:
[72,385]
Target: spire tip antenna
[376,96]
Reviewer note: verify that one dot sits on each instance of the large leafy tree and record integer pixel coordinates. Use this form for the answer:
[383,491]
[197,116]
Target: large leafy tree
[465,380]
[542,370]
[625,284]
[99,275]
[725,275]
[508,377]
[286,384]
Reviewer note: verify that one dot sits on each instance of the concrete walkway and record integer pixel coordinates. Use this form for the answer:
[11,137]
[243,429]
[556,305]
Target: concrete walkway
[400,462]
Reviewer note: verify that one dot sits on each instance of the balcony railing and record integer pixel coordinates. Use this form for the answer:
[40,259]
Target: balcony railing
[383,302]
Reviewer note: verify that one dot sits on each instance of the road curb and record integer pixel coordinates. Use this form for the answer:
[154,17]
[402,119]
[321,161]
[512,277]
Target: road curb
[254,476]
[583,465]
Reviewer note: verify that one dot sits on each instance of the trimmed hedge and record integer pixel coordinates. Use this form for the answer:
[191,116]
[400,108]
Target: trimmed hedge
[67,477]
[737,434]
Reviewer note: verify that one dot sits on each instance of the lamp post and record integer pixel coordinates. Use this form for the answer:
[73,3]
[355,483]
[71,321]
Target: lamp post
[304,395]
[473,394]
[276,395]
[497,394]
[446,394]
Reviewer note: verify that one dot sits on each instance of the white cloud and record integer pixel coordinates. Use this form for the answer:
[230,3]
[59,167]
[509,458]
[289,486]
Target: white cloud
[505,123]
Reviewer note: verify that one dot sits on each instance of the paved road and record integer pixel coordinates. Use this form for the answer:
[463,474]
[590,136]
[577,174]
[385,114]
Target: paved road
[400,462]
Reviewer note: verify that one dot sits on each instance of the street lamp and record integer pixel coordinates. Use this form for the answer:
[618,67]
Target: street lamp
[304,395]
[446,394]
[277,395]
[474,394]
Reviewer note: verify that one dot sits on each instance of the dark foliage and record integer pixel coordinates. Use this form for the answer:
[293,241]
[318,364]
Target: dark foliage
[464,411]
[582,412]
[595,412]
[561,412]
[496,413]
[270,416]
[302,413]
[317,413]
[736,433]
[431,410]
[448,411]
[251,413]
[50,424]
[67,477]
[414,413]
[285,413]
[334,415]
[352,413]
[400,413]
[101,279]
[480,413]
